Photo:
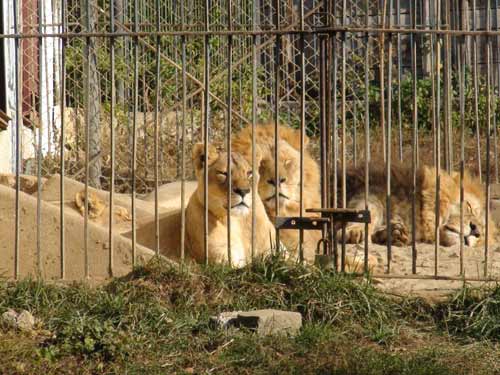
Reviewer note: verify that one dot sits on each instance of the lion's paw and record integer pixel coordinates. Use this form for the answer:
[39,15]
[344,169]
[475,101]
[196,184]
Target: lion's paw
[399,235]
[354,234]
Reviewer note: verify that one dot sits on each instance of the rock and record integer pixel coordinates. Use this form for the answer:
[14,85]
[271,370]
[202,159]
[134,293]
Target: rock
[10,317]
[224,320]
[271,322]
[25,321]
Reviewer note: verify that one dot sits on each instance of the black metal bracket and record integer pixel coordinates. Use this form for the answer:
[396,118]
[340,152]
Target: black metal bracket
[343,215]
[307,223]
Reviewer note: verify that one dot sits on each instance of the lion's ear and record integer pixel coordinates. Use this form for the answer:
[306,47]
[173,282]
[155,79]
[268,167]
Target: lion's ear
[199,155]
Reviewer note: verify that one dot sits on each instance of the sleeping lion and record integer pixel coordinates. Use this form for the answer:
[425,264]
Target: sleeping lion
[241,211]
[474,222]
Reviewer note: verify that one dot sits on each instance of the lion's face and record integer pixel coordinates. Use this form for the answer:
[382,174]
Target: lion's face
[218,182]
[473,223]
[288,180]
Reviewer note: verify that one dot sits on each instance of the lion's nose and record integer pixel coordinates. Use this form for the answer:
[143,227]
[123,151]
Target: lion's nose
[241,192]
[474,230]
[272,181]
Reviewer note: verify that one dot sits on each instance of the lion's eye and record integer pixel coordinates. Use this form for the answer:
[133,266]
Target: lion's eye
[222,175]
[249,174]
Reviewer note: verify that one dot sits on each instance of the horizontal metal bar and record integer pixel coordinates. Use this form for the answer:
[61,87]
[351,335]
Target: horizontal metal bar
[326,30]
[344,215]
[434,277]
[307,223]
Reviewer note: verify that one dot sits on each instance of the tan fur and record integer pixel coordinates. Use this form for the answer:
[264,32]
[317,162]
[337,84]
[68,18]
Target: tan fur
[289,170]
[96,204]
[241,216]
[401,206]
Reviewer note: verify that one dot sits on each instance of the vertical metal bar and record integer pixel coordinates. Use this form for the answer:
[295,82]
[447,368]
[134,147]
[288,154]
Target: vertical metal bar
[112,41]
[277,65]
[134,130]
[381,79]
[302,123]
[254,123]
[183,145]
[437,135]
[17,58]
[495,107]
[488,134]
[39,156]
[229,123]
[157,128]
[87,143]
[62,141]
[389,145]
[400,73]
[448,93]
[344,125]
[476,90]
[414,142]
[367,130]
[206,127]
[461,83]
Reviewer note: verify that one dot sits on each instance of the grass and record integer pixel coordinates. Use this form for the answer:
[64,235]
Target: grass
[156,321]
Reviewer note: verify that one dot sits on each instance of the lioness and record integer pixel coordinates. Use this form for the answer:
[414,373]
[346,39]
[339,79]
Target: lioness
[289,179]
[289,184]
[241,206]
[401,206]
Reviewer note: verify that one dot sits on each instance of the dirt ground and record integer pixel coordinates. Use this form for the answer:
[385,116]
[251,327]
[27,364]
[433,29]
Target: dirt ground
[448,260]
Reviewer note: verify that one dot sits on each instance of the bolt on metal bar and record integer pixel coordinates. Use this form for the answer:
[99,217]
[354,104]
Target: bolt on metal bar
[413,41]
[39,144]
[112,108]
[206,136]
[229,124]
[157,130]
[17,59]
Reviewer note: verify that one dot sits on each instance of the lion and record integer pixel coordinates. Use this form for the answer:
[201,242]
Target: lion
[240,211]
[289,145]
[425,195]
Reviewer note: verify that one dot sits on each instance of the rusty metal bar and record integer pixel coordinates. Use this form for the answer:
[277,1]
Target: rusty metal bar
[112,41]
[254,124]
[157,130]
[488,137]
[414,159]
[19,125]
[302,125]
[388,147]
[476,90]
[184,140]
[39,145]
[62,141]
[206,136]
[400,72]
[277,53]
[229,124]
[461,83]
[284,31]
[437,129]
[134,134]
[367,133]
